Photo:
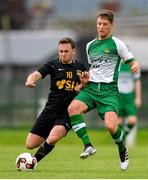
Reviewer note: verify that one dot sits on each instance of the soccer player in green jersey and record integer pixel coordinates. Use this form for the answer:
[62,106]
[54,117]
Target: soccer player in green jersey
[101,92]
[129,86]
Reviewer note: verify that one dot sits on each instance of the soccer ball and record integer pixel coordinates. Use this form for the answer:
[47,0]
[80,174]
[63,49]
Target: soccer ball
[26,162]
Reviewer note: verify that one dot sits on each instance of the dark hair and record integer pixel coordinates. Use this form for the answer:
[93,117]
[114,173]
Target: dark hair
[67,40]
[107,14]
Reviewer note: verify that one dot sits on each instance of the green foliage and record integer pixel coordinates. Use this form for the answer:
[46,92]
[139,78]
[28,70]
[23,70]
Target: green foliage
[64,161]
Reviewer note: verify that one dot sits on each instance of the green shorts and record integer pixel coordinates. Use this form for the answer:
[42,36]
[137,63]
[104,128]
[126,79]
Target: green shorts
[127,105]
[102,96]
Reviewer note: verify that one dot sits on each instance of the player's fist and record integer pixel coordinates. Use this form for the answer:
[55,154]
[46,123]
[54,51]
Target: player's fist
[30,83]
[135,67]
[84,78]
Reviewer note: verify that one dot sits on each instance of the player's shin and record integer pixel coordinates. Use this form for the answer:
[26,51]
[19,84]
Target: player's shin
[43,150]
[123,152]
[79,127]
[118,137]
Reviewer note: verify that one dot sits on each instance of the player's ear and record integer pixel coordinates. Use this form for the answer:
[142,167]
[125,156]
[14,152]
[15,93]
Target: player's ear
[74,51]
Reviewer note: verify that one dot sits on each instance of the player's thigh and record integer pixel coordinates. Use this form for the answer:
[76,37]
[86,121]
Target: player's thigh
[129,105]
[57,132]
[61,126]
[84,101]
[108,103]
[43,124]
[130,109]
[34,141]
[122,106]
[77,107]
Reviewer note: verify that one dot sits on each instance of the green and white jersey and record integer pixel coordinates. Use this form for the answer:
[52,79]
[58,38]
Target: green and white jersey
[126,80]
[104,57]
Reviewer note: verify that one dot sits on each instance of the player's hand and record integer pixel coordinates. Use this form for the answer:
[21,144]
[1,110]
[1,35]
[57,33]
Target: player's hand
[30,83]
[78,87]
[135,67]
[138,102]
[84,78]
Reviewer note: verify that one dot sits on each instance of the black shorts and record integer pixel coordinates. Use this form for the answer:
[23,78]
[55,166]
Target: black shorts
[47,120]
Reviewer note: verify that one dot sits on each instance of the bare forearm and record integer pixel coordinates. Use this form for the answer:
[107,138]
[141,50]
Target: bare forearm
[32,79]
[138,88]
[138,93]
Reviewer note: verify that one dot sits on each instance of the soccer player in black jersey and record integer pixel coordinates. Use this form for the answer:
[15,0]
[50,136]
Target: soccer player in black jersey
[53,123]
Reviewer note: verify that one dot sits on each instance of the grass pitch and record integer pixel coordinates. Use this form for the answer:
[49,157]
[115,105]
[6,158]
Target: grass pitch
[64,162]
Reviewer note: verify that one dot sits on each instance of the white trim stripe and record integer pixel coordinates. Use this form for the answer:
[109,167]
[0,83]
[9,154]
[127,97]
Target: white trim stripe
[120,138]
[78,126]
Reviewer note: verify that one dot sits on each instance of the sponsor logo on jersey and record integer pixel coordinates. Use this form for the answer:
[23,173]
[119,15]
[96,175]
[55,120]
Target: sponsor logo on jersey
[107,50]
[97,61]
[61,83]
[78,72]
[60,69]
[68,85]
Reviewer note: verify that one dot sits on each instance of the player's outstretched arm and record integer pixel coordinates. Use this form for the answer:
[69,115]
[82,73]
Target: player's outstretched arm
[32,79]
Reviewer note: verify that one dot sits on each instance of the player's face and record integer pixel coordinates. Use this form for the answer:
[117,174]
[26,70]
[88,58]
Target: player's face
[66,53]
[104,27]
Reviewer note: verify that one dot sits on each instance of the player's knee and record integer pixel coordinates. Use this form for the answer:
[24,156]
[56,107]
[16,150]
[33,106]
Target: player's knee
[74,109]
[132,120]
[111,128]
[71,109]
[52,139]
[29,145]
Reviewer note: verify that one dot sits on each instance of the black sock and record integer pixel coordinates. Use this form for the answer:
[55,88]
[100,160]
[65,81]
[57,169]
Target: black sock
[43,150]
[87,145]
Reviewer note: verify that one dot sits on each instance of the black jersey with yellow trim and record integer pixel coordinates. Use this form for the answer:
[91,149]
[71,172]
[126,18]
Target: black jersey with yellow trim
[63,79]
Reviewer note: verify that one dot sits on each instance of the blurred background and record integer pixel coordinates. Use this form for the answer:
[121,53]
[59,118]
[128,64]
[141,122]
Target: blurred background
[29,33]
